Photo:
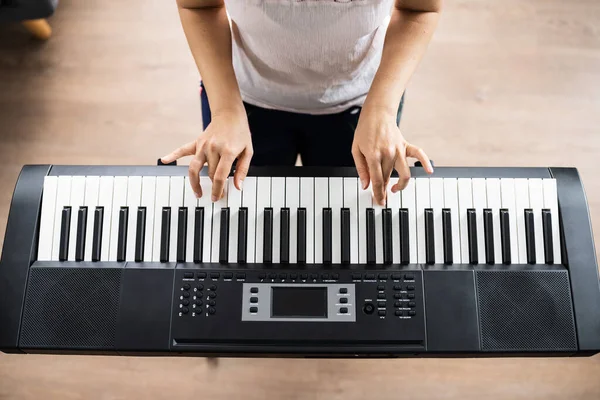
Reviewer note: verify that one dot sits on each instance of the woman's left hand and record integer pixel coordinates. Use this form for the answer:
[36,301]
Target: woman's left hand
[378,148]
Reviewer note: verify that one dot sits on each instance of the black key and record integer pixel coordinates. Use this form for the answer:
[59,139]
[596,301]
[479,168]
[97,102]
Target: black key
[182,233]
[81,230]
[122,238]
[97,239]
[198,234]
[370,236]
[447,229]
[65,231]
[404,239]
[488,229]
[387,236]
[224,236]
[472,232]
[242,235]
[140,234]
[505,235]
[165,234]
[548,244]
[284,238]
[327,235]
[345,227]
[530,236]
[429,237]
[268,236]
[301,235]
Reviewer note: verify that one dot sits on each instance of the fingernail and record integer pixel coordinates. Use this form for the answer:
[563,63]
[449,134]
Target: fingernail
[362,182]
[197,195]
[214,198]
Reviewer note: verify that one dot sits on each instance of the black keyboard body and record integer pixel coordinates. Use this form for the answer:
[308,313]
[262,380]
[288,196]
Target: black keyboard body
[414,310]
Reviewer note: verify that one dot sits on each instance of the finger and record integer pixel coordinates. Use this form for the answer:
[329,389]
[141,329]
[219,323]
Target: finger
[241,168]
[221,174]
[387,165]
[361,168]
[188,149]
[403,172]
[194,174]
[419,154]
[377,179]
[213,161]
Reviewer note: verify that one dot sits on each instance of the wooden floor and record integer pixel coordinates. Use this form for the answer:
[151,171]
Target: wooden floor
[504,83]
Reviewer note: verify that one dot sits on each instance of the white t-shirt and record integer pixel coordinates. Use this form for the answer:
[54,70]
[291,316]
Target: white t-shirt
[307,56]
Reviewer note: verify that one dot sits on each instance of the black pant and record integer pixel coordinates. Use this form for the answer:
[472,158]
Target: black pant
[279,136]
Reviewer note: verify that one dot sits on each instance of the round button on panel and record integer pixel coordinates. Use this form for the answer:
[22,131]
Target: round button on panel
[212,287]
[212,303]
[212,311]
[186,294]
[369,308]
[200,287]
[185,302]
[212,295]
[186,286]
[185,310]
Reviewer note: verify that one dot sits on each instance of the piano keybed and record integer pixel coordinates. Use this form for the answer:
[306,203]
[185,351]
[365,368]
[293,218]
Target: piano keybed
[300,220]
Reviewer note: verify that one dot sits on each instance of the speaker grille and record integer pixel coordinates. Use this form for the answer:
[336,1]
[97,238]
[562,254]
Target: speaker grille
[525,311]
[73,308]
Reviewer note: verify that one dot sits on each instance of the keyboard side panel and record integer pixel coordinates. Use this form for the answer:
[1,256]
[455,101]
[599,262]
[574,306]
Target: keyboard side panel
[451,311]
[20,242]
[578,241]
[144,321]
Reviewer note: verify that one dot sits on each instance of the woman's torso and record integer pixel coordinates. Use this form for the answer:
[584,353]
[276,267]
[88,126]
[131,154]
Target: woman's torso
[307,56]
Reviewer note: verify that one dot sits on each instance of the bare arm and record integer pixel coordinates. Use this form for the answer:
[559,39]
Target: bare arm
[208,34]
[379,146]
[227,138]
[409,32]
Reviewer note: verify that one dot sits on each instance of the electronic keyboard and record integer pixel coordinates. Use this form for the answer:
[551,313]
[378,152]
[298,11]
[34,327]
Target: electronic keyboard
[466,262]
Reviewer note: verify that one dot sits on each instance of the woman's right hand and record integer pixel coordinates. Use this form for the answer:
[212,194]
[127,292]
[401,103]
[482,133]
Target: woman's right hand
[226,138]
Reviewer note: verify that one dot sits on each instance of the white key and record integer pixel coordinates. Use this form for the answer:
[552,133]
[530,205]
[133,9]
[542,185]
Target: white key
[451,202]
[190,202]
[378,230]
[175,201]
[249,201]
[147,200]
[160,200]
[105,200]
[134,198]
[63,197]
[423,202]
[394,203]
[536,202]
[521,202]
[292,201]
[436,195]
[119,200]
[351,202]
[507,191]
[77,200]
[321,201]
[263,200]
[92,187]
[479,203]
[409,201]
[494,201]
[216,225]
[551,202]
[336,202]
[465,201]
[207,204]
[307,200]
[365,200]
[277,202]
[47,218]
[234,202]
